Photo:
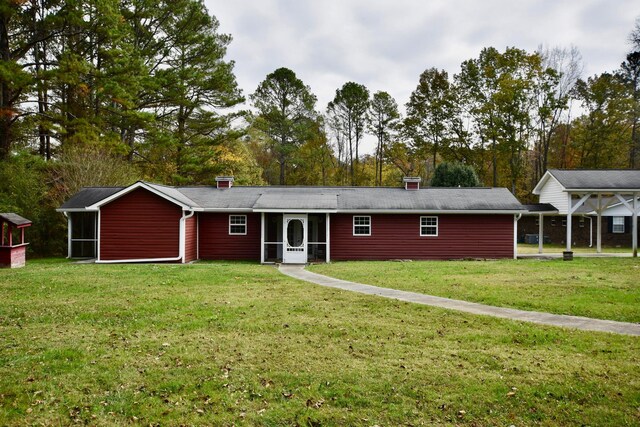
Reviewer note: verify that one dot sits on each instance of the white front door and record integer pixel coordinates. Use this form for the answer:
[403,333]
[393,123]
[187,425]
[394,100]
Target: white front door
[294,237]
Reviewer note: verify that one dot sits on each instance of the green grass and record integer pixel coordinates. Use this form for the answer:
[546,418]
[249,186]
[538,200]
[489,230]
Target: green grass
[549,248]
[241,344]
[603,288]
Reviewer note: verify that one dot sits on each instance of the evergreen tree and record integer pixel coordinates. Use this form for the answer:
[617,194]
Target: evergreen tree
[286,114]
[383,121]
[349,111]
[454,175]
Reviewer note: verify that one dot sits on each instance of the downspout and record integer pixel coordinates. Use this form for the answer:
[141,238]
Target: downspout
[590,229]
[183,235]
[516,218]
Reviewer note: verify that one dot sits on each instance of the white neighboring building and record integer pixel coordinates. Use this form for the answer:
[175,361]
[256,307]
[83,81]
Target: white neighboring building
[611,193]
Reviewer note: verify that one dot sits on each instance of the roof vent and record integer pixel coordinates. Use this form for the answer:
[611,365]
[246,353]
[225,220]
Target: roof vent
[412,182]
[224,181]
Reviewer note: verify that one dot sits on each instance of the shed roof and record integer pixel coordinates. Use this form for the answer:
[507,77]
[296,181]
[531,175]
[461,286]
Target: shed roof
[541,208]
[88,196]
[14,219]
[323,198]
[603,179]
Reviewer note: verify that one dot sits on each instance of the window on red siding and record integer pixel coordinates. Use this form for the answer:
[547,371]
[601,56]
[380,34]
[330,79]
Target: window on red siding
[361,225]
[238,224]
[429,226]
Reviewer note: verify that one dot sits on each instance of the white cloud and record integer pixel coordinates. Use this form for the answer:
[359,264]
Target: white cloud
[385,45]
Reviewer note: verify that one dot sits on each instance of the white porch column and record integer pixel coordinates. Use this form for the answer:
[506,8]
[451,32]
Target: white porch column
[599,225]
[515,236]
[634,226]
[69,230]
[262,238]
[540,232]
[569,215]
[328,233]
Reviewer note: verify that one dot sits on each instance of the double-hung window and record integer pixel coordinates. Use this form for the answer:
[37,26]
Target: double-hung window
[361,225]
[429,226]
[618,224]
[238,224]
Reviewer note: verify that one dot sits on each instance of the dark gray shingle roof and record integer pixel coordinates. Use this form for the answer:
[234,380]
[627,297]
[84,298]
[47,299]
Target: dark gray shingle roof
[88,196]
[540,208]
[607,179]
[327,198]
[14,219]
[173,193]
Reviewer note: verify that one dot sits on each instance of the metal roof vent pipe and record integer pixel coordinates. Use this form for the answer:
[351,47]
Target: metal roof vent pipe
[224,181]
[412,182]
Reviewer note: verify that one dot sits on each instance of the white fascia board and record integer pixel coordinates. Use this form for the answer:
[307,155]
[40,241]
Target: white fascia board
[602,191]
[135,186]
[88,209]
[205,210]
[431,212]
[542,183]
[296,210]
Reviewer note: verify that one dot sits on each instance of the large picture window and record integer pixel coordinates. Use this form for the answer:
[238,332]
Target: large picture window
[429,226]
[238,224]
[362,225]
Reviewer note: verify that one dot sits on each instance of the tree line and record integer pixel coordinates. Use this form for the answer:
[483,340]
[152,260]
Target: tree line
[105,92]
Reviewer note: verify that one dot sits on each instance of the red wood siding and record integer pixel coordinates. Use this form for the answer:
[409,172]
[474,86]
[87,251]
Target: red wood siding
[13,257]
[216,243]
[398,237]
[191,239]
[139,225]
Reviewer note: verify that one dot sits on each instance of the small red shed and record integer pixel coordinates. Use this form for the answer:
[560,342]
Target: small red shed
[13,247]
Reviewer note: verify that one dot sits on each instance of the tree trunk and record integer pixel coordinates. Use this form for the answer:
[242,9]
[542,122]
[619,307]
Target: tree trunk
[6,95]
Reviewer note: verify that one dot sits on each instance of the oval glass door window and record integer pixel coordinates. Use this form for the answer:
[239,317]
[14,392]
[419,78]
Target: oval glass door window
[295,233]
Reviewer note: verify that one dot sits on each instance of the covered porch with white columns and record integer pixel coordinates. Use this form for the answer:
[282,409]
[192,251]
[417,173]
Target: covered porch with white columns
[594,201]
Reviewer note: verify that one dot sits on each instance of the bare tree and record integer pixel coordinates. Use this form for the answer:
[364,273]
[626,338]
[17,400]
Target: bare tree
[563,68]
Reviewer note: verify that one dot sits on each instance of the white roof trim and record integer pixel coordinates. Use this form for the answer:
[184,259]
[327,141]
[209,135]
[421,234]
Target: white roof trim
[431,211]
[281,210]
[543,182]
[135,186]
[205,210]
[602,190]
[77,210]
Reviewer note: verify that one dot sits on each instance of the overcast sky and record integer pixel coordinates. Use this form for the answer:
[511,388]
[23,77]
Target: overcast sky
[386,44]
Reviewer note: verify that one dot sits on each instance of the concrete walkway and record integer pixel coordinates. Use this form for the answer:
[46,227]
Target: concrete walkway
[575,322]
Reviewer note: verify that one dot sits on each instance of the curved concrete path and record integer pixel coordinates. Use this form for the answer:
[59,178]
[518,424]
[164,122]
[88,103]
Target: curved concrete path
[576,322]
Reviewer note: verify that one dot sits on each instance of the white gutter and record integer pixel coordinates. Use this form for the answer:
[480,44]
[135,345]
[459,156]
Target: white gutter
[430,212]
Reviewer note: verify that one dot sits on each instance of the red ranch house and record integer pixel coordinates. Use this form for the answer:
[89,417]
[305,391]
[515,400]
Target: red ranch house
[147,222]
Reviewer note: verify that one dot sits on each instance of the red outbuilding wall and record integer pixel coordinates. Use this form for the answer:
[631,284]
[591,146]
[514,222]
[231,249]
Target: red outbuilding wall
[216,243]
[191,239]
[139,225]
[398,237]
[13,257]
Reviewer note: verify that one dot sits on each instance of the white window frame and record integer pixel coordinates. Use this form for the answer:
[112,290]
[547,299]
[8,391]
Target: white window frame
[619,227]
[423,226]
[361,225]
[244,224]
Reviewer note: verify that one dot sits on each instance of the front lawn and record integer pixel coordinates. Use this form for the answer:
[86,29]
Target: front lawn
[603,288]
[241,344]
